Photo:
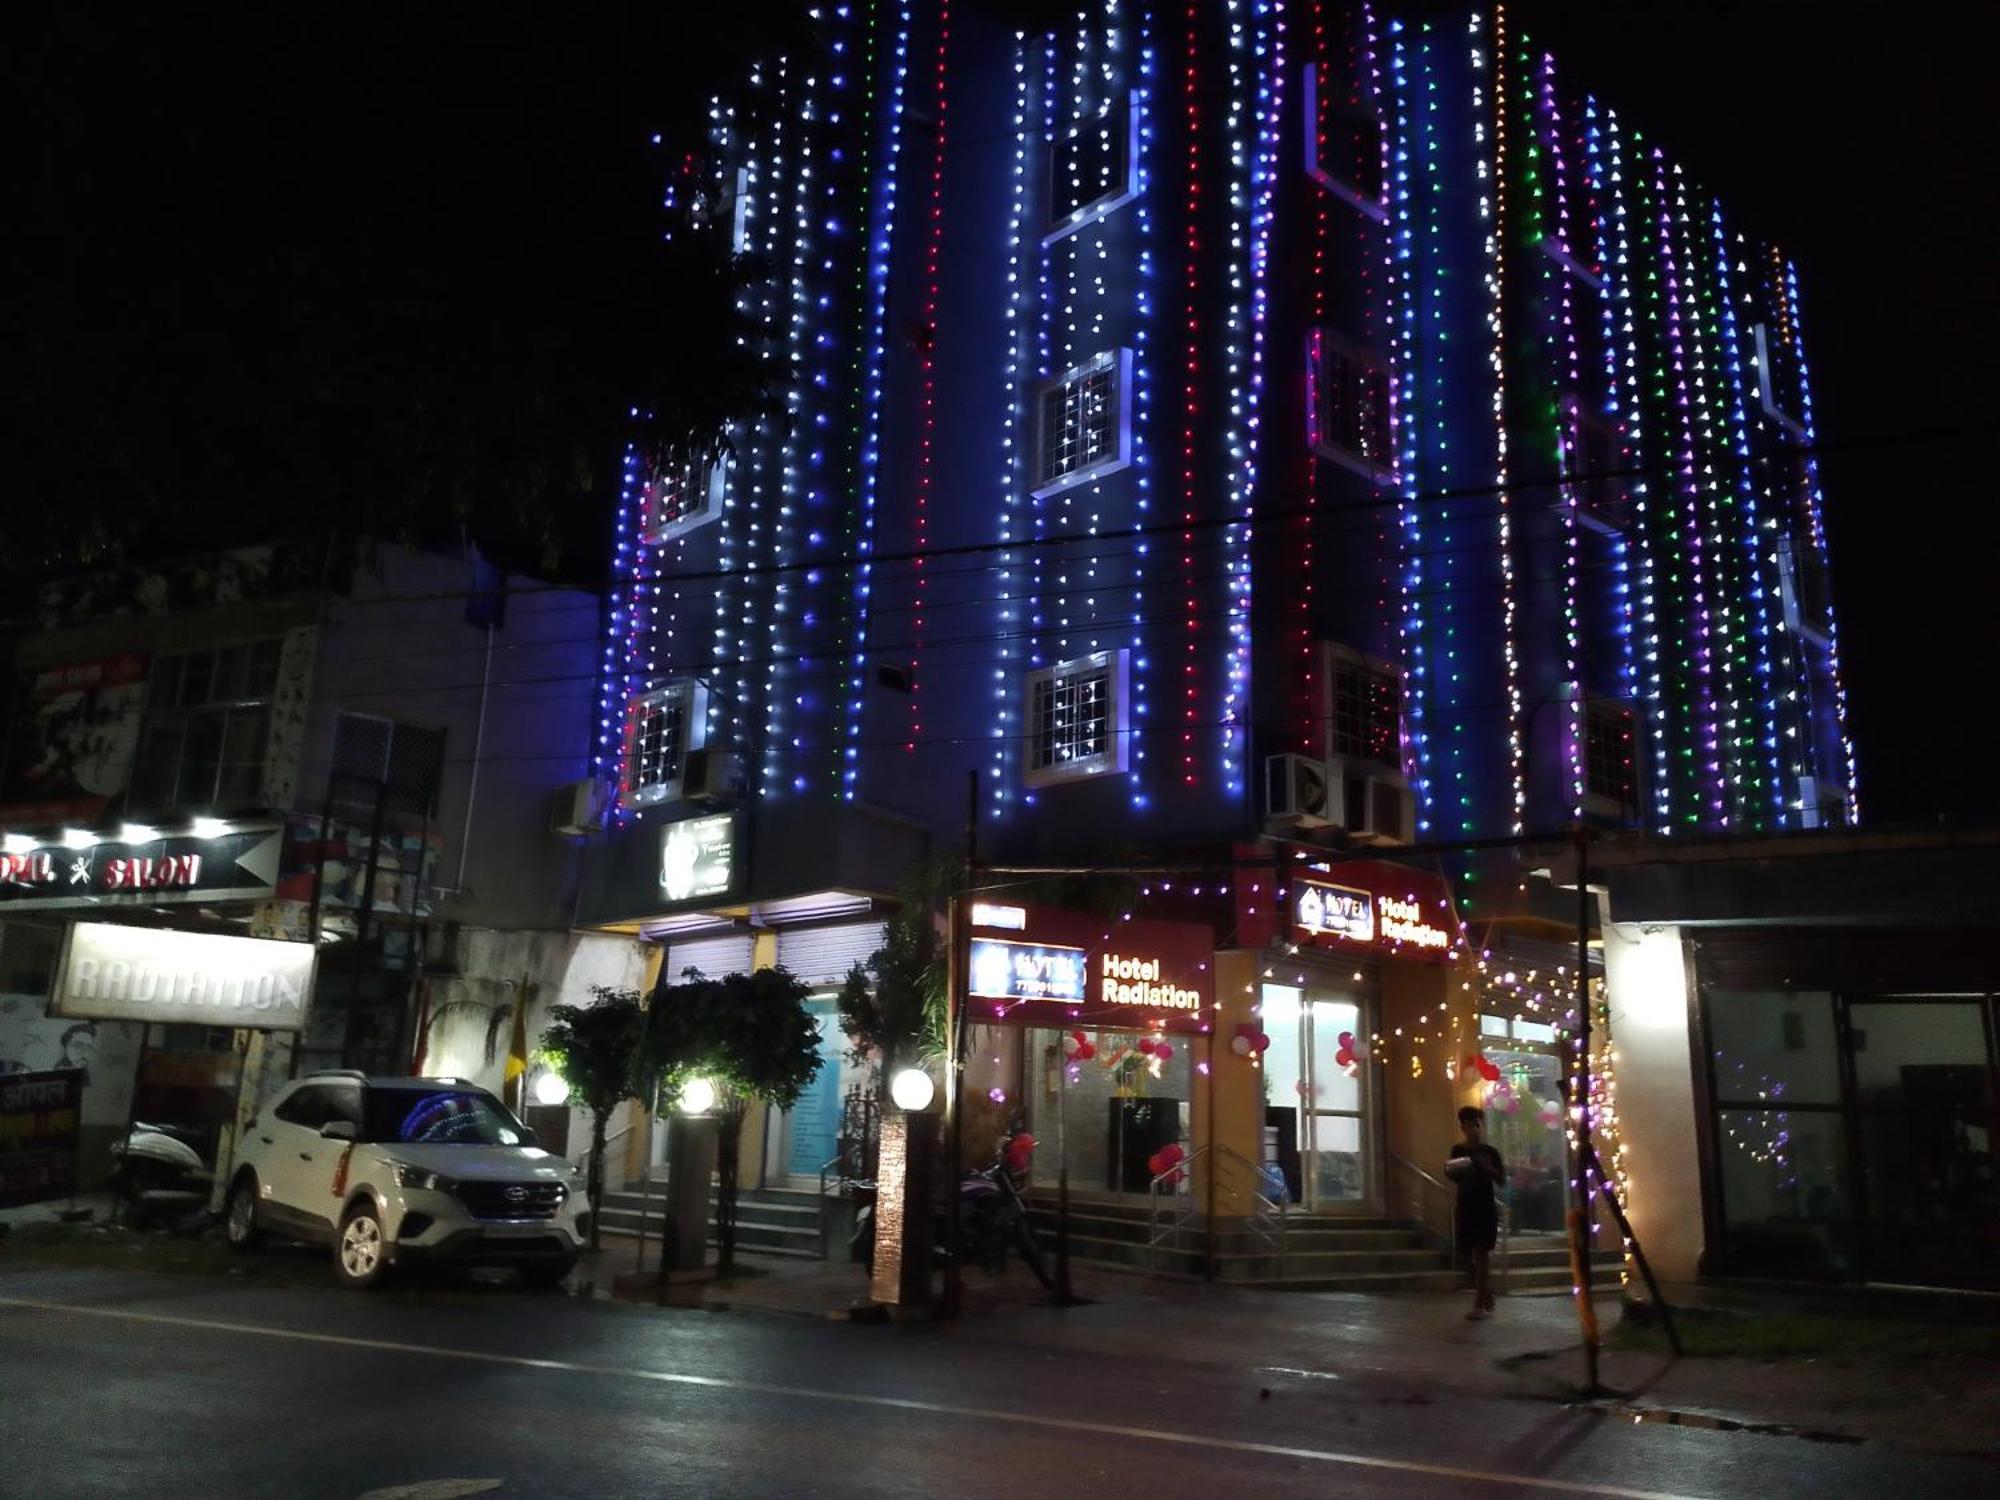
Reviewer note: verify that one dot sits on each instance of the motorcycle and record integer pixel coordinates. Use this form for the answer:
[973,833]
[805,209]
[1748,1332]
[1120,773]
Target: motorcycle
[155,1158]
[992,1217]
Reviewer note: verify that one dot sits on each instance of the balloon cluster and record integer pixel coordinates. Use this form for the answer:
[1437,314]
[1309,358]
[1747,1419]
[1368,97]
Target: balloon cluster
[1160,1048]
[1351,1052]
[1081,1048]
[1248,1040]
[1165,1163]
[1481,1064]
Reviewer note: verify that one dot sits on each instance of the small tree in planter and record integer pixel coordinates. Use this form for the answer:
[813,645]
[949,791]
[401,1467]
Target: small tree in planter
[893,1006]
[592,1049]
[753,1038]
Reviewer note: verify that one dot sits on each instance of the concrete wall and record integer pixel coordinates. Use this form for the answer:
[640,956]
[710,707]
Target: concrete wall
[1646,974]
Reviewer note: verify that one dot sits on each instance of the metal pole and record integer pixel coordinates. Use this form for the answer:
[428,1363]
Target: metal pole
[1063,1296]
[1638,1254]
[131,1121]
[1586,1160]
[957,998]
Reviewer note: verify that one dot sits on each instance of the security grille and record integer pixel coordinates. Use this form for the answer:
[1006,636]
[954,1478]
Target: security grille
[1091,164]
[1079,423]
[1351,404]
[1610,758]
[402,763]
[1366,711]
[1072,717]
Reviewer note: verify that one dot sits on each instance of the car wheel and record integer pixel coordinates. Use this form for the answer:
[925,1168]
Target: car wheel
[239,1223]
[547,1272]
[361,1253]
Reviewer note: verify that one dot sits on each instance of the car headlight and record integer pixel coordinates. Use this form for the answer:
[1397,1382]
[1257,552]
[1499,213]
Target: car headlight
[422,1179]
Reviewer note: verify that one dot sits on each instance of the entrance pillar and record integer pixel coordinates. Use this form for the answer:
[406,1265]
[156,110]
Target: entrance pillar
[1229,1103]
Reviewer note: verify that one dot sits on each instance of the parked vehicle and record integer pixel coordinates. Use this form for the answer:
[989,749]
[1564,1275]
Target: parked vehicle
[992,1214]
[156,1162]
[388,1171]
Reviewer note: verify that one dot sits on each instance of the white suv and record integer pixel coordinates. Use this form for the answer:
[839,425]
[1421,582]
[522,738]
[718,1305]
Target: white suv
[389,1170]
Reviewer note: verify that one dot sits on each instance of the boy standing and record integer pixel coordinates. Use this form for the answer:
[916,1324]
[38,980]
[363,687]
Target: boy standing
[1476,1169]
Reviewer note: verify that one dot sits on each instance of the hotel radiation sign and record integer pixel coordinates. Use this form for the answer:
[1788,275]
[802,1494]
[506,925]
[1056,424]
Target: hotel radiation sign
[1388,909]
[1047,967]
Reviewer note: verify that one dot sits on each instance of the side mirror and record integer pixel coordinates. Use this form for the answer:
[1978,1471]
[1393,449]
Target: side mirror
[339,1130]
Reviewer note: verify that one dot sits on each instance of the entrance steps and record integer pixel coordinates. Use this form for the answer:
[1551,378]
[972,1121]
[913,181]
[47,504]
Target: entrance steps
[1322,1252]
[769,1221]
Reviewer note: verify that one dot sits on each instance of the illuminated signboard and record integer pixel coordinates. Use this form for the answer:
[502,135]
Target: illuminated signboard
[110,972]
[698,857]
[141,867]
[1336,909]
[1389,909]
[1003,970]
[1049,966]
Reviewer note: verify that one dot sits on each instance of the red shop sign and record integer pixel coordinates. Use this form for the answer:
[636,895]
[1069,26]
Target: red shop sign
[1373,906]
[1044,966]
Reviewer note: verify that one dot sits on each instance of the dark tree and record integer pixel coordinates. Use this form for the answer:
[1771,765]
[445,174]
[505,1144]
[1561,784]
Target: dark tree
[593,1049]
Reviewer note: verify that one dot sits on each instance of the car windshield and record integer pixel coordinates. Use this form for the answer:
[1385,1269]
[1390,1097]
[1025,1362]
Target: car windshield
[439,1117]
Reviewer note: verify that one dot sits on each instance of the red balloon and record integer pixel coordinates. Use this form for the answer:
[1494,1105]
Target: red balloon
[1346,1040]
[1173,1154]
[1085,1052]
[1260,1041]
[1163,1050]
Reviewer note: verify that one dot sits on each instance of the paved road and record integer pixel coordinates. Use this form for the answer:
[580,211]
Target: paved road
[134,1383]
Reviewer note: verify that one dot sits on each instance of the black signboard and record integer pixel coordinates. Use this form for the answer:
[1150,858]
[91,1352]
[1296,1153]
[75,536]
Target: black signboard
[241,863]
[39,1116]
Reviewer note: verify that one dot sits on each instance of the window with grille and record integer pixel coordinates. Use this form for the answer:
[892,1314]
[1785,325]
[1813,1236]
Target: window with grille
[207,730]
[1808,601]
[373,757]
[1076,719]
[1092,168]
[1365,709]
[678,499]
[1083,426]
[1593,453]
[1348,405]
[1610,758]
[661,727]
[1343,142]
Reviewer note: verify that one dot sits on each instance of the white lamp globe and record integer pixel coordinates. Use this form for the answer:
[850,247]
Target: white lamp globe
[551,1088]
[912,1090]
[697,1096]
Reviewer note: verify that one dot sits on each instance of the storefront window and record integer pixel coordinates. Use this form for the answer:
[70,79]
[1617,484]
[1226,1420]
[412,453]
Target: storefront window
[1784,1196]
[1774,1045]
[1109,1113]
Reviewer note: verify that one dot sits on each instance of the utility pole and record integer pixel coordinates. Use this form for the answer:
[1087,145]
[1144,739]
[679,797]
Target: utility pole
[1584,1159]
[958,998]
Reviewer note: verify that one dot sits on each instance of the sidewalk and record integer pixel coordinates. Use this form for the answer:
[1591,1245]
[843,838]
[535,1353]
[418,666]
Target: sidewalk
[1936,1391]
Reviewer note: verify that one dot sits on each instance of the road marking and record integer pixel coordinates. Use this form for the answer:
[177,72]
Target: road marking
[853,1398]
[436,1489]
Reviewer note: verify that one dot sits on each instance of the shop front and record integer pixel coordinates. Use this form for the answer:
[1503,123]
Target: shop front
[1114,1021]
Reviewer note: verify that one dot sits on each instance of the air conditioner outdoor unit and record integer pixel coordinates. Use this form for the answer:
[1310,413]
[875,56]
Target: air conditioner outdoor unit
[710,776]
[578,808]
[1298,792]
[1376,804]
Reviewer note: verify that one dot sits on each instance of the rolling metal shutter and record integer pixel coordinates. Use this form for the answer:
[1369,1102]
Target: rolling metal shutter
[716,957]
[823,955]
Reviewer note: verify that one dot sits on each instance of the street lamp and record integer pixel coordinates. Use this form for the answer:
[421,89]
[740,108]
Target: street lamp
[697,1097]
[912,1090]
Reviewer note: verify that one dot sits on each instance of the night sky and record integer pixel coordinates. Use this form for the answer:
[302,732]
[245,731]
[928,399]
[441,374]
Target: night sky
[295,258]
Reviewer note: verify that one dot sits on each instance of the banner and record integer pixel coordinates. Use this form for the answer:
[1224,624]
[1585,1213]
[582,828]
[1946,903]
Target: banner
[39,1118]
[155,974]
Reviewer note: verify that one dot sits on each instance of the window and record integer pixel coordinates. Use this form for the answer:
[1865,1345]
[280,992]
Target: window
[374,758]
[437,1117]
[1802,586]
[1348,405]
[1076,719]
[1593,453]
[1083,423]
[675,502]
[661,727]
[1365,709]
[1770,394]
[312,1106]
[1343,143]
[1610,759]
[207,730]
[1092,168]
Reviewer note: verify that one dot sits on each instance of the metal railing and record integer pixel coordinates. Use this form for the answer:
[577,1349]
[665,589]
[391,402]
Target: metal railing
[1433,1190]
[1171,1194]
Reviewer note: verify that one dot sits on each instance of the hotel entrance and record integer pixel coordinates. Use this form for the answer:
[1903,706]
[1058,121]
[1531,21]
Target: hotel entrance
[1318,1097]
[1109,1103]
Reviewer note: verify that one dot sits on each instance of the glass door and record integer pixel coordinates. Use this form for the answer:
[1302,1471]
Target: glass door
[1923,1129]
[1317,1108]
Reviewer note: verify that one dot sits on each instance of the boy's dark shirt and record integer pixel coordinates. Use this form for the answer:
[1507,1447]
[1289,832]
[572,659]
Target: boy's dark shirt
[1475,1191]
